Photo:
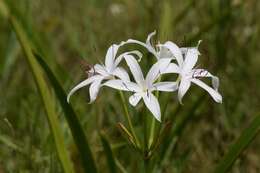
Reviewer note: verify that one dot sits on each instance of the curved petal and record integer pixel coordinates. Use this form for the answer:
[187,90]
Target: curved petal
[214,94]
[165,53]
[191,59]
[135,69]
[156,70]
[82,84]
[148,40]
[175,50]
[94,89]
[172,68]
[204,73]
[122,85]
[121,74]
[134,99]
[134,52]
[152,104]
[110,57]
[165,86]
[183,88]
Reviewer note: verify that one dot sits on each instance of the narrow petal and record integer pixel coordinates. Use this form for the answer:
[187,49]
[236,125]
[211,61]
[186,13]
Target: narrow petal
[166,86]
[82,84]
[148,40]
[135,69]
[156,70]
[121,74]
[122,85]
[134,99]
[94,89]
[191,59]
[110,57]
[198,73]
[152,104]
[120,57]
[183,88]
[175,50]
[172,68]
[214,94]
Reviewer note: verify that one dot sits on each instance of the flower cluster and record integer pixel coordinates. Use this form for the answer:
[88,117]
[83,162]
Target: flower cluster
[171,59]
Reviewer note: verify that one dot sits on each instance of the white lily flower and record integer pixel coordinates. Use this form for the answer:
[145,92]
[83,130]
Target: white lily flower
[102,72]
[188,74]
[144,87]
[158,52]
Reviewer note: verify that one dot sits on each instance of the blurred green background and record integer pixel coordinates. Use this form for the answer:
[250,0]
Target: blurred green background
[70,34]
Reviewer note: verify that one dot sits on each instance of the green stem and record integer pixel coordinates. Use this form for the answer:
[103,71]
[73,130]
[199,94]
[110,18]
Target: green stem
[127,116]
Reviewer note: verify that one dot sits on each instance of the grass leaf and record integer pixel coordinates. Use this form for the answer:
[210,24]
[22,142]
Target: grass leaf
[72,119]
[239,146]
[109,153]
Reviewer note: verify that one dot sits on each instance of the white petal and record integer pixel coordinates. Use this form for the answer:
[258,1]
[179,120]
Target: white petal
[166,86]
[147,46]
[134,99]
[135,69]
[190,59]
[94,89]
[204,73]
[110,57]
[172,68]
[152,104]
[183,88]
[122,85]
[165,53]
[121,74]
[175,50]
[82,84]
[120,57]
[99,69]
[156,70]
[214,94]
[148,40]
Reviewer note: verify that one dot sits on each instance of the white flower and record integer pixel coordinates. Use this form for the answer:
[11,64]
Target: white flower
[158,52]
[104,72]
[144,87]
[187,74]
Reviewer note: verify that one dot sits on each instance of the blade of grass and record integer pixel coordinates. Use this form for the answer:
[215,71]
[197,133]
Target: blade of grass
[109,153]
[44,92]
[77,131]
[246,137]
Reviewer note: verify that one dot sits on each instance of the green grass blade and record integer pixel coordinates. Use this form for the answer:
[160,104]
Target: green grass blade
[46,97]
[109,154]
[239,146]
[77,131]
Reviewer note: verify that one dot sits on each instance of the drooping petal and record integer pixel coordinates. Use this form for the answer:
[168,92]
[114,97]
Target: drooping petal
[94,89]
[135,69]
[165,86]
[175,50]
[183,88]
[191,59]
[134,52]
[152,104]
[122,85]
[121,74]
[198,73]
[156,70]
[134,99]
[214,94]
[172,68]
[110,57]
[82,84]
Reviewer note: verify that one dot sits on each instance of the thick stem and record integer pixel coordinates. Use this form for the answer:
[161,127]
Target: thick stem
[127,116]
